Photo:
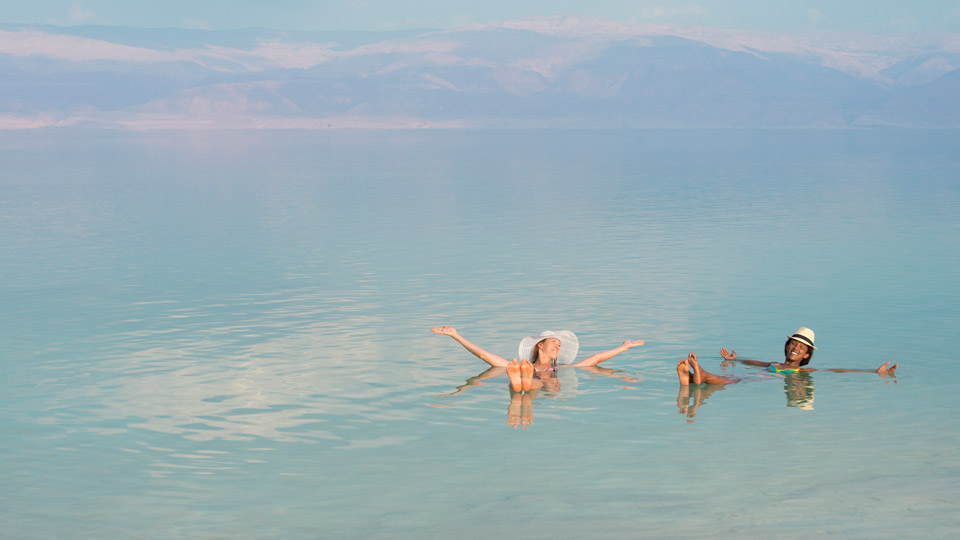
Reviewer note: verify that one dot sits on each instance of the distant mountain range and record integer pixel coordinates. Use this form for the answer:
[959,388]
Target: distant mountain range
[530,72]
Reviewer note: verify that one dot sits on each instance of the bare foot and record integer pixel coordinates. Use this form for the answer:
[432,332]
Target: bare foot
[683,372]
[513,371]
[694,368]
[526,375]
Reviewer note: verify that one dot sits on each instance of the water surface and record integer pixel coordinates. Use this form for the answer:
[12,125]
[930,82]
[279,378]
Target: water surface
[224,334]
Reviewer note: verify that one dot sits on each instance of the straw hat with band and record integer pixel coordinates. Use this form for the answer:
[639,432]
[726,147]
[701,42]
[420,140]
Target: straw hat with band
[804,335]
[569,344]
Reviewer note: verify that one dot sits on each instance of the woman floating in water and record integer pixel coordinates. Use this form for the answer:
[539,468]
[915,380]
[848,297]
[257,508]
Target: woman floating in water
[540,355]
[797,351]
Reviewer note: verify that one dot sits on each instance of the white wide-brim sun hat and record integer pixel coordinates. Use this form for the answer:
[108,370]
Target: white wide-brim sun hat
[569,345]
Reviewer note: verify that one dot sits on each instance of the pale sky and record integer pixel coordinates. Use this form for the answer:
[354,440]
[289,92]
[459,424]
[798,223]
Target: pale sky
[855,15]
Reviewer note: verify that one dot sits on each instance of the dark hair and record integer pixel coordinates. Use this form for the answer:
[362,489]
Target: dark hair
[806,360]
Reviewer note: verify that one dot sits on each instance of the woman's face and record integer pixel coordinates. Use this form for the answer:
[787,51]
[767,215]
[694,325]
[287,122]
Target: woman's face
[795,351]
[549,349]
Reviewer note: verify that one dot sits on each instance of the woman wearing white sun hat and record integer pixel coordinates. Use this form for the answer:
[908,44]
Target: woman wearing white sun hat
[540,355]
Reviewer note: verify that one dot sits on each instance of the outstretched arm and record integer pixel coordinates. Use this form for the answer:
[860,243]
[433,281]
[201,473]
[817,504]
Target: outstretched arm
[731,356]
[595,359]
[486,356]
[885,369]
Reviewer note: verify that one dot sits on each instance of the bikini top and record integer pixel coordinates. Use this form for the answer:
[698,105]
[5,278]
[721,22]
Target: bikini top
[774,368]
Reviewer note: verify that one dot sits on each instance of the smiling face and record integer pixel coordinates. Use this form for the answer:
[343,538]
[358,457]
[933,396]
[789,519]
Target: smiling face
[795,352]
[548,349]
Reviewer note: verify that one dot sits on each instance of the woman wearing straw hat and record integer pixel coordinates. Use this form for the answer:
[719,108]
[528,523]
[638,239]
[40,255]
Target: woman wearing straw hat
[797,352]
[540,355]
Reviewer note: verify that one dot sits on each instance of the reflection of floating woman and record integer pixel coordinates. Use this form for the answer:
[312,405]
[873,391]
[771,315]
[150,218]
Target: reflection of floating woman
[797,352]
[540,355]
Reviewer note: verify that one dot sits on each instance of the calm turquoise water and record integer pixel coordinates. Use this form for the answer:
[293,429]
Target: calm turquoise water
[226,335]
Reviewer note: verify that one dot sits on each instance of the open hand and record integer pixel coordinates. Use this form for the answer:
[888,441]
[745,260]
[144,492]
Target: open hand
[633,343]
[728,355]
[445,330]
[885,370]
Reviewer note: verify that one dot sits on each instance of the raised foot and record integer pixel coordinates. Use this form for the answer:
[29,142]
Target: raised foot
[683,372]
[513,372]
[694,369]
[526,375]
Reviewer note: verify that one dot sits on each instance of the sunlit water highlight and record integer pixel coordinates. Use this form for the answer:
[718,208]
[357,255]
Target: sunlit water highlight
[226,335]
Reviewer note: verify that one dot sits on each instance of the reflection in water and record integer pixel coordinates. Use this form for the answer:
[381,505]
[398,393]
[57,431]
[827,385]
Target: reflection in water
[561,383]
[520,411]
[255,368]
[477,380]
[799,390]
[688,402]
[798,387]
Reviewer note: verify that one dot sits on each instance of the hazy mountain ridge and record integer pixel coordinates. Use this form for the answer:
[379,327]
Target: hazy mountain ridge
[537,72]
